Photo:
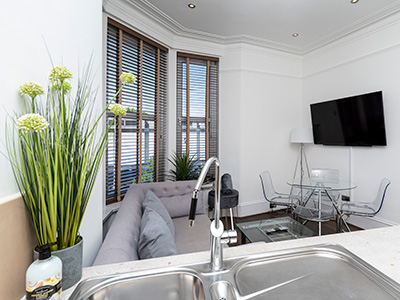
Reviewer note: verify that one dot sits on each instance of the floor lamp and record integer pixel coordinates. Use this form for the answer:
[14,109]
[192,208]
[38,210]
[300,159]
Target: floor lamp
[301,136]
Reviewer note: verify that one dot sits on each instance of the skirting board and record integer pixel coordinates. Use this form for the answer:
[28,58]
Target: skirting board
[370,222]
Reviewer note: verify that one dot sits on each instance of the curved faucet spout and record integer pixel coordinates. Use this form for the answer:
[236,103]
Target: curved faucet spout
[197,188]
[205,169]
[216,227]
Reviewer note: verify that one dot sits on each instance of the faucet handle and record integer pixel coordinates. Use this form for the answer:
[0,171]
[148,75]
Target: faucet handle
[229,237]
[192,212]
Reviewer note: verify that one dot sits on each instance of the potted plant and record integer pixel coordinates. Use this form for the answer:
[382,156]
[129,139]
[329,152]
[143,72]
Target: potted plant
[55,153]
[186,167]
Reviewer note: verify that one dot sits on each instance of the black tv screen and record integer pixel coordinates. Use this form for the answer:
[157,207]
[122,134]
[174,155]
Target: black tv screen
[352,121]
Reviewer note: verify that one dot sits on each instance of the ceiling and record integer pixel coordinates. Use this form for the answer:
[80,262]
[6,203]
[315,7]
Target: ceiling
[269,22]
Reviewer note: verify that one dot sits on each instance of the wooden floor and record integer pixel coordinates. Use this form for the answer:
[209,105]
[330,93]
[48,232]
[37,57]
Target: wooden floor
[327,227]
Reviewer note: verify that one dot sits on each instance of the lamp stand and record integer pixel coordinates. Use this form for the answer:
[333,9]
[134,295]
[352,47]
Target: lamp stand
[302,161]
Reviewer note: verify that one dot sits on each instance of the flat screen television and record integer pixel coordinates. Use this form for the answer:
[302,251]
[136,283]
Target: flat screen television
[352,121]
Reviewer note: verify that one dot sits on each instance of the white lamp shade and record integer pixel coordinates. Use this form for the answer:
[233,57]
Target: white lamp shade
[301,136]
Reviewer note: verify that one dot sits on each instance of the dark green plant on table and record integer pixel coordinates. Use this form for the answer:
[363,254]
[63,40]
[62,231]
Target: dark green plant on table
[186,167]
[55,153]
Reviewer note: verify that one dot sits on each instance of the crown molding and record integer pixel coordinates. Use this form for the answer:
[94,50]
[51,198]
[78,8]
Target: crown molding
[150,10]
[173,26]
[355,28]
[159,16]
[351,38]
[250,48]
[122,11]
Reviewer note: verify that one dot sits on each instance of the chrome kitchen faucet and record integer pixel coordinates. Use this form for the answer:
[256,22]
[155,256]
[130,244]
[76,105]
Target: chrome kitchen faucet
[218,234]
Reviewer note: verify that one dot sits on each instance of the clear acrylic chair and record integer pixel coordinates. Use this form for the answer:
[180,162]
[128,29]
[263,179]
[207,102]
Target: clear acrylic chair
[272,196]
[367,209]
[327,176]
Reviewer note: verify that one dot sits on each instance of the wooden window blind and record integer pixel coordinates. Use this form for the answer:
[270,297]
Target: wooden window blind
[197,106]
[137,142]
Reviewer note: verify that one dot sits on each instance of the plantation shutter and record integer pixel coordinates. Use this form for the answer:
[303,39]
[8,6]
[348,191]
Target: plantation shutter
[197,106]
[137,142]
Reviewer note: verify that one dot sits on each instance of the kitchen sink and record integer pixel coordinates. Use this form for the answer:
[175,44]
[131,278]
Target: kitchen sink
[168,286]
[317,272]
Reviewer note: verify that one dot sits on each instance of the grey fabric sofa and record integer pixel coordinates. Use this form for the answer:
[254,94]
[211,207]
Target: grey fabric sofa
[121,241]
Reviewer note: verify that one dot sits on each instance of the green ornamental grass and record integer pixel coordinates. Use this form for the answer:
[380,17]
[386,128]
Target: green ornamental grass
[185,167]
[55,153]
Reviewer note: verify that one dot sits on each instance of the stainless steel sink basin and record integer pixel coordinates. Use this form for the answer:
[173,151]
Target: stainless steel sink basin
[168,286]
[318,272]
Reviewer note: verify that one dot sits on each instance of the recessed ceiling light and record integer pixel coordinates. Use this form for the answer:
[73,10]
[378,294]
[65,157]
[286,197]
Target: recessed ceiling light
[295,34]
[191,5]
[353,1]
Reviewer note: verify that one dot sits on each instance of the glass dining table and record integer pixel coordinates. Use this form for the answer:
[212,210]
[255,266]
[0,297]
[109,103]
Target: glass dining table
[318,211]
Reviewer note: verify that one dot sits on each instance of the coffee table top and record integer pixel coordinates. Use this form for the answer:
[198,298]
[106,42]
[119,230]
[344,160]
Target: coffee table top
[274,230]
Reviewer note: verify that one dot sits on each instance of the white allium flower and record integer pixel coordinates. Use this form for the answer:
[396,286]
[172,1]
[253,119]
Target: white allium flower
[59,74]
[118,110]
[31,89]
[32,122]
[128,78]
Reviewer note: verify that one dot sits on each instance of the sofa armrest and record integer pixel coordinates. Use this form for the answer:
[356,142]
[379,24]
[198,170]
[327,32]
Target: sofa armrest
[121,241]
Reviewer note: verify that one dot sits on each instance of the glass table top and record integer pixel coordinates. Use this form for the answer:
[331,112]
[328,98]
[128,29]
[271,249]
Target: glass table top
[312,183]
[274,230]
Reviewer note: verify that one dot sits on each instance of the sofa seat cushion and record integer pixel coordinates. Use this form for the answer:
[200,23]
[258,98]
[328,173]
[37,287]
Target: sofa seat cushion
[192,239]
[153,202]
[155,239]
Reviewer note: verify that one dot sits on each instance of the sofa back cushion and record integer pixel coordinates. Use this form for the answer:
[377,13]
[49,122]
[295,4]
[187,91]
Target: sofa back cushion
[179,206]
[176,196]
[153,202]
[155,239]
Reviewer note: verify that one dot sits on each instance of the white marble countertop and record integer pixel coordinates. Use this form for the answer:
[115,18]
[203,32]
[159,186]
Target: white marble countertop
[378,247]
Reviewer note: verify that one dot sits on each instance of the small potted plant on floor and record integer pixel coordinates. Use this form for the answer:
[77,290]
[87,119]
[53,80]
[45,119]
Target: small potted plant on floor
[186,167]
[55,153]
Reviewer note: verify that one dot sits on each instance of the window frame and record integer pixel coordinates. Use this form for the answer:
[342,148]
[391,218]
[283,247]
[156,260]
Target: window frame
[211,117]
[146,59]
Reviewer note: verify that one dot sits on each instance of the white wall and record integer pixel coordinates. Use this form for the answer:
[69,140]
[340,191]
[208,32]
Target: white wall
[72,31]
[360,64]
[260,104]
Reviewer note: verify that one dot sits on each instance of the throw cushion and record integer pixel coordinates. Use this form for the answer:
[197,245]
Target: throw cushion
[155,239]
[153,202]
